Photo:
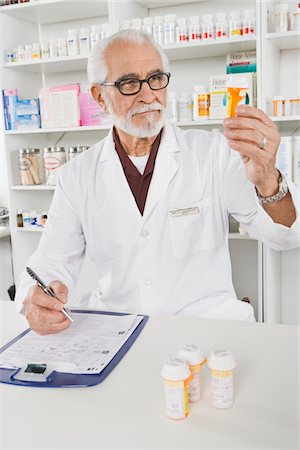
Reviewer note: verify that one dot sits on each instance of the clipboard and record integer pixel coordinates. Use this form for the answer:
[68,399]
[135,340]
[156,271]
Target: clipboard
[72,380]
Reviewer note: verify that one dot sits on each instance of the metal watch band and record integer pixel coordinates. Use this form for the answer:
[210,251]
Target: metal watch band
[283,189]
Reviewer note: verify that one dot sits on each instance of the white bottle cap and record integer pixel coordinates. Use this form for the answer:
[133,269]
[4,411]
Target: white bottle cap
[158,19]
[234,14]
[72,32]
[207,17]
[249,12]
[147,20]
[84,30]
[170,17]
[201,89]
[281,7]
[221,16]
[175,369]
[237,82]
[194,19]
[181,20]
[277,97]
[221,359]
[191,354]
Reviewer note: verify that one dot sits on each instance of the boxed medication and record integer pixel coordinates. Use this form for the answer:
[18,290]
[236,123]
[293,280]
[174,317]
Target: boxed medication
[29,106]
[90,112]
[241,62]
[218,87]
[28,122]
[60,106]
[10,98]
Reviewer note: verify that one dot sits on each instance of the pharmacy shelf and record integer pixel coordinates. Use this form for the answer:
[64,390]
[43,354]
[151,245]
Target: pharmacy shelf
[4,231]
[54,11]
[59,130]
[189,50]
[51,65]
[285,41]
[288,124]
[39,187]
[30,230]
[153,3]
[285,119]
[196,124]
[209,49]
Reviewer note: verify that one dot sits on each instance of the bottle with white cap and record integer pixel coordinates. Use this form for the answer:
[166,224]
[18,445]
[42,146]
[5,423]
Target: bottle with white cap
[222,364]
[158,30]
[172,112]
[176,375]
[195,30]
[195,359]
[169,29]
[207,27]
[147,25]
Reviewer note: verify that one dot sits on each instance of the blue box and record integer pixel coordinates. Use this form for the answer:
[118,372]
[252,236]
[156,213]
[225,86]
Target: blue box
[28,122]
[29,106]
[10,99]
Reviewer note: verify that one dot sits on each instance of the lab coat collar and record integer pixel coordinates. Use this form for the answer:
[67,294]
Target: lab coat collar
[165,169]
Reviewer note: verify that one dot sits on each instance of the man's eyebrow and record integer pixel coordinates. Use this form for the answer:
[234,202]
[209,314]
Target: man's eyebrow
[136,75]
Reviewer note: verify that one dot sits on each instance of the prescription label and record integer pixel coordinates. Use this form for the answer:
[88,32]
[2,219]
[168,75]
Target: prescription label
[222,388]
[176,395]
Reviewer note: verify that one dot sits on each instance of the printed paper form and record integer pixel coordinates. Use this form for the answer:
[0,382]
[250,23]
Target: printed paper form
[86,347]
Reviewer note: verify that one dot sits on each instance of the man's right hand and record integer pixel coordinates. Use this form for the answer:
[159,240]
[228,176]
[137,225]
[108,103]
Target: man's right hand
[43,312]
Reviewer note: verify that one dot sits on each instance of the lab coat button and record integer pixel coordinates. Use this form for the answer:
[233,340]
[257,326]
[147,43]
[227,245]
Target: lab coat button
[149,283]
[145,233]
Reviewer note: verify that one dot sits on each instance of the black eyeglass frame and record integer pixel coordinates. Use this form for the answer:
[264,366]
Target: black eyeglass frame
[146,80]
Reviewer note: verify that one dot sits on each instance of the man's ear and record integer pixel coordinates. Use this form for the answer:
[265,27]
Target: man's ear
[96,93]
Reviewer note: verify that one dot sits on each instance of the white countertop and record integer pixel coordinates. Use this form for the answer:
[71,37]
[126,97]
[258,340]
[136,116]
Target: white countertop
[126,411]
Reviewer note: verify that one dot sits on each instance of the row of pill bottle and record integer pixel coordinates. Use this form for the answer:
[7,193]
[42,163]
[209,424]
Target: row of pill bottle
[31,219]
[181,108]
[281,107]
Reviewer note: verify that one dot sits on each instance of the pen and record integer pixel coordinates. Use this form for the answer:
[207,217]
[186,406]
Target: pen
[48,290]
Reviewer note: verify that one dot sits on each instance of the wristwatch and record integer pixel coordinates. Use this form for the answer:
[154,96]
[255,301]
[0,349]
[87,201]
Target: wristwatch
[283,189]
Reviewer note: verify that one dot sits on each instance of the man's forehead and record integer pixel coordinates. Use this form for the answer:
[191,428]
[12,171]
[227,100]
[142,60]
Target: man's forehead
[133,58]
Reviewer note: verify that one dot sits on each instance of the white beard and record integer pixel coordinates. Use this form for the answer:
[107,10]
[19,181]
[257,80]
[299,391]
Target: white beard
[125,124]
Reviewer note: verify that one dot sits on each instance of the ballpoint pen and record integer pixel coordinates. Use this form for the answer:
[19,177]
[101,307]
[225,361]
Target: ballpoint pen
[48,290]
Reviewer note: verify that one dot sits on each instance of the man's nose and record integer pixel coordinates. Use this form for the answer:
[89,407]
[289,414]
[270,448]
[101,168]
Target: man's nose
[146,94]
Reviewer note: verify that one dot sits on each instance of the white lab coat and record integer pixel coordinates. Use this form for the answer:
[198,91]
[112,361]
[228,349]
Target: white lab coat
[156,263]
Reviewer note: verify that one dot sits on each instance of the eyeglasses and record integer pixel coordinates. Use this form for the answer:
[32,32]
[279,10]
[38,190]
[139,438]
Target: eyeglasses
[132,86]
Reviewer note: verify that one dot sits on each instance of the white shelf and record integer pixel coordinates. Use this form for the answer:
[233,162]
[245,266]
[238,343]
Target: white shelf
[4,231]
[203,123]
[154,4]
[240,236]
[30,230]
[38,187]
[189,50]
[59,130]
[51,65]
[52,11]
[285,41]
[209,49]
[285,119]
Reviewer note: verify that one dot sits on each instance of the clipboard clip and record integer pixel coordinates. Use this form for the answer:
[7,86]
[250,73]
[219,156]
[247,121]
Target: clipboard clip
[33,373]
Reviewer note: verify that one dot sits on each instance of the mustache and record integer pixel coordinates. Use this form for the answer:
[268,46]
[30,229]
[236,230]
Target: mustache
[144,108]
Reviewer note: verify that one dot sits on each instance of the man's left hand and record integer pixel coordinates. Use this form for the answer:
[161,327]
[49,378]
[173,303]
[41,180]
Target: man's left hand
[256,138]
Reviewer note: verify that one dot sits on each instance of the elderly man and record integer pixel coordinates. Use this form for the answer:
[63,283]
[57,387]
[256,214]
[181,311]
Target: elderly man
[149,203]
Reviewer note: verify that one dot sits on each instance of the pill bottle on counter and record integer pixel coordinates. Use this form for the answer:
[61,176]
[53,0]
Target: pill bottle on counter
[221,364]
[176,375]
[195,359]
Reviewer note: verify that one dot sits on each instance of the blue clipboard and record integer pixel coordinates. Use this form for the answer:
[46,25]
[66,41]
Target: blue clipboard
[63,380]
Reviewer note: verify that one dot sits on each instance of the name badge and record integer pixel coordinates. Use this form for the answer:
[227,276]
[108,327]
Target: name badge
[184,212]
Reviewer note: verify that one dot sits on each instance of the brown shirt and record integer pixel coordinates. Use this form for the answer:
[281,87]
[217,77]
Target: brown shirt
[138,183]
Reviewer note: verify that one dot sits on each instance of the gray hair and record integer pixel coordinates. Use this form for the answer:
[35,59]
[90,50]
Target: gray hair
[97,69]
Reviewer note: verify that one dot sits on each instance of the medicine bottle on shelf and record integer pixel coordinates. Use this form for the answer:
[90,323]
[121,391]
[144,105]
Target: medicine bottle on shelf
[200,103]
[249,23]
[296,19]
[54,158]
[176,375]
[195,30]
[36,51]
[136,24]
[185,107]
[124,24]
[105,30]
[95,34]
[235,24]
[172,113]
[221,26]
[207,27]
[147,25]
[30,166]
[28,53]
[45,53]
[221,364]
[158,30]
[195,360]
[281,17]
[169,29]
[182,31]
[278,106]
[53,48]
[62,48]
[72,42]
[84,41]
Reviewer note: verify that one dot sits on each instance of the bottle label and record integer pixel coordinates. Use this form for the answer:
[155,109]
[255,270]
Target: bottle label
[176,396]
[222,388]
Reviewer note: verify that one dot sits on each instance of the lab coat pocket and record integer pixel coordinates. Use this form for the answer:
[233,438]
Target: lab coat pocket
[195,227]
